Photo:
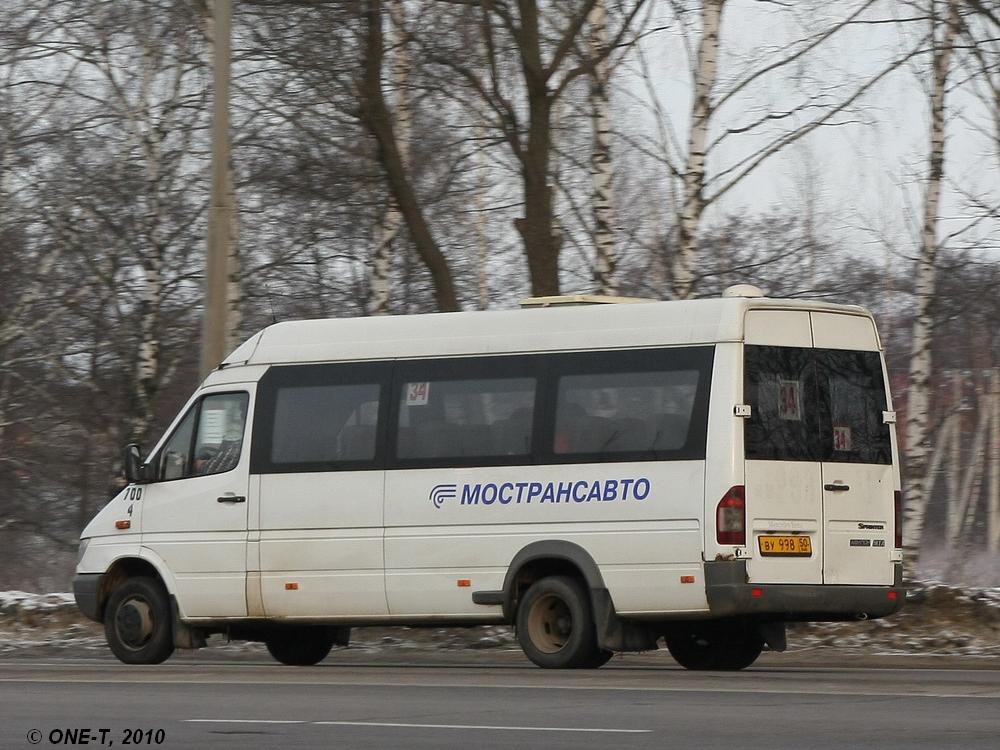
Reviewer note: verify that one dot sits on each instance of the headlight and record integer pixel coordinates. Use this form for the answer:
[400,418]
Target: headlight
[82,550]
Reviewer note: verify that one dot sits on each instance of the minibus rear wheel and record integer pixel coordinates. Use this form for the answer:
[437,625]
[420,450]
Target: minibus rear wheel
[300,647]
[715,646]
[137,622]
[555,627]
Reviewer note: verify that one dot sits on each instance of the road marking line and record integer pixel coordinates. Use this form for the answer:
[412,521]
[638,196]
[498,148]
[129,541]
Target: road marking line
[421,726]
[247,721]
[846,692]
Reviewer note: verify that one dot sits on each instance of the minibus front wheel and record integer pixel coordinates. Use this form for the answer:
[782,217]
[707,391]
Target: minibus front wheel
[137,622]
[555,627]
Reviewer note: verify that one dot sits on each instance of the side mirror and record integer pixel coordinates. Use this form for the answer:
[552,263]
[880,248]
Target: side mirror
[135,471]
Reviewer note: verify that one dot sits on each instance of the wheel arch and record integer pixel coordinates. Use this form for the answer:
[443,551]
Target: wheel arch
[544,558]
[123,568]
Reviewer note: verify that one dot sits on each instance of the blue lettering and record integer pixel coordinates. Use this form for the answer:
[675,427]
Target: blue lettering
[549,493]
[641,490]
[595,492]
[470,494]
[489,494]
[576,495]
[610,490]
[505,498]
[520,490]
[534,490]
[626,483]
[563,493]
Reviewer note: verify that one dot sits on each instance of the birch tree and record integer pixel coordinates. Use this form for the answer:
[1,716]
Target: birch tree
[142,70]
[723,112]
[600,160]
[944,22]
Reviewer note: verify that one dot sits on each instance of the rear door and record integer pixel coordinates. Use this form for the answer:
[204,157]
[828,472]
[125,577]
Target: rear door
[783,474]
[818,472]
[858,475]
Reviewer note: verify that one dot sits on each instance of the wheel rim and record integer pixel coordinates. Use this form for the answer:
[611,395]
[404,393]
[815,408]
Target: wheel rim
[134,622]
[550,624]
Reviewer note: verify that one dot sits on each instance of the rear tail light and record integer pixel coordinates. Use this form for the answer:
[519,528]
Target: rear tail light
[731,517]
[897,517]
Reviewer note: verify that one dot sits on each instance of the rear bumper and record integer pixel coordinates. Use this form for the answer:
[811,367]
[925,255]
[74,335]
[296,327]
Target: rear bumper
[85,588]
[730,594]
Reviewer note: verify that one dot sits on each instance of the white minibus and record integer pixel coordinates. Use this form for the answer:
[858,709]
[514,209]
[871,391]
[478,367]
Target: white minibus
[598,476]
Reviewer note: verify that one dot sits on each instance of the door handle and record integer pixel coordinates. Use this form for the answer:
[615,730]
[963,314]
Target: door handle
[231,499]
[836,487]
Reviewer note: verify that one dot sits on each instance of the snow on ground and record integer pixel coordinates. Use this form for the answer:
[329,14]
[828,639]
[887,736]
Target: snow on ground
[938,619]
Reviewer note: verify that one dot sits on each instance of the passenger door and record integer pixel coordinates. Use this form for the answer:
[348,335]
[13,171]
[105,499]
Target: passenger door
[319,450]
[194,514]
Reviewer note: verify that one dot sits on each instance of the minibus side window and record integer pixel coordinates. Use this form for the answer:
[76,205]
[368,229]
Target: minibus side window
[322,417]
[624,411]
[325,424]
[456,419]
[208,440]
[638,405]
[220,433]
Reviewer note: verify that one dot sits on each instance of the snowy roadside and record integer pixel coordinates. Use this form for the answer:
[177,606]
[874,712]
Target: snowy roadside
[938,619]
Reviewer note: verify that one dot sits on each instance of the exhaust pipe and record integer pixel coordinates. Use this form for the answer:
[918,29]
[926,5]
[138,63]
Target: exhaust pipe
[861,616]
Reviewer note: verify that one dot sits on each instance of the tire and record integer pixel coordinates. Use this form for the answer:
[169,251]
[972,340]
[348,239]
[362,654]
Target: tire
[715,646]
[300,647]
[598,659]
[555,627]
[138,623]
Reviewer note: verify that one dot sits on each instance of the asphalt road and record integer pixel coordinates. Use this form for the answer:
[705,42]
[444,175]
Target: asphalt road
[496,699]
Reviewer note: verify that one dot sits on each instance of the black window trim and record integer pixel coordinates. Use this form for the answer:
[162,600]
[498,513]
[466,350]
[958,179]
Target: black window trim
[627,361]
[545,367]
[304,376]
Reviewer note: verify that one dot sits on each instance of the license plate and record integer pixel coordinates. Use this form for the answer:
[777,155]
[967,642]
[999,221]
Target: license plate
[785,546]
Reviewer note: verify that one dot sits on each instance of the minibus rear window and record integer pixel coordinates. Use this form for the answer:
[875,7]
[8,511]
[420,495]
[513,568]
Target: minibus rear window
[815,405]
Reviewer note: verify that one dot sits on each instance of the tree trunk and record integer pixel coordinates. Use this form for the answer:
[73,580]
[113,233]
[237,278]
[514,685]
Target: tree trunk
[918,405]
[540,242]
[234,277]
[600,158]
[706,69]
[389,223]
[378,119]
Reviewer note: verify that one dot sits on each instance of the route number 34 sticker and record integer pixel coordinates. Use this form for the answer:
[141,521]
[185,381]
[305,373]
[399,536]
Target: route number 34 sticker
[417,394]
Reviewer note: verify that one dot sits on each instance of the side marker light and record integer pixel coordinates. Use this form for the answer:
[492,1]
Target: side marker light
[123,524]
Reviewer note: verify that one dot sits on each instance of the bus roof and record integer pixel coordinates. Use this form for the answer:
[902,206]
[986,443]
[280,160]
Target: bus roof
[701,321]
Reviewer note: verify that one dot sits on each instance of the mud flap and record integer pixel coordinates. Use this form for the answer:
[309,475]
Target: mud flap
[615,634]
[184,635]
